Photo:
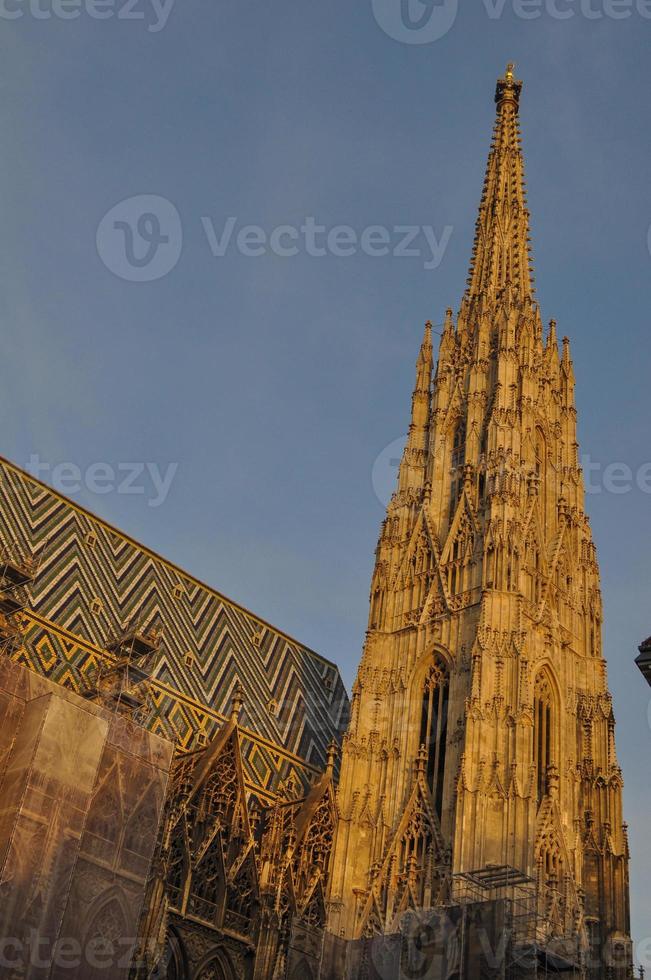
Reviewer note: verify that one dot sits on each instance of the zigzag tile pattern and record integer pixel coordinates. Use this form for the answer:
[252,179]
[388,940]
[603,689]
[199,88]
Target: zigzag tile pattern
[87,588]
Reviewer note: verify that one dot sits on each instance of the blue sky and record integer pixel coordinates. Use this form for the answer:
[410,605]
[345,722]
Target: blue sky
[273,383]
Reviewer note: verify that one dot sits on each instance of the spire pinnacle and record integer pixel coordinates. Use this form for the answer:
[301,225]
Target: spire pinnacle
[237,703]
[331,756]
[502,239]
[509,87]
[412,467]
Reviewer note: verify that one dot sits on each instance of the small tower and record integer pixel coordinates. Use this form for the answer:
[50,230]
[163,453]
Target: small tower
[481,743]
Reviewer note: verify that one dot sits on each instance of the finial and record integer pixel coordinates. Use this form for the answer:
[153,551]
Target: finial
[237,701]
[333,748]
[508,88]
[421,760]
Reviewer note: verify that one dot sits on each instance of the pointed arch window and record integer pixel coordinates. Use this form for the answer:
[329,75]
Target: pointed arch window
[458,459]
[461,554]
[215,970]
[207,882]
[433,729]
[105,936]
[459,445]
[175,958]
[551,867]
[454,572]
[543,729]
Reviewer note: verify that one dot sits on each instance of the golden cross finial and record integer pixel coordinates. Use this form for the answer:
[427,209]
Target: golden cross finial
[509,71]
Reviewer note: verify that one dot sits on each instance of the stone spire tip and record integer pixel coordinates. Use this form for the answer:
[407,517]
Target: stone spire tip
[508,88]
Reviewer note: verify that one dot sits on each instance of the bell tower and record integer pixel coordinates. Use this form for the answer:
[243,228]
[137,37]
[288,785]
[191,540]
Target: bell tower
[482,729]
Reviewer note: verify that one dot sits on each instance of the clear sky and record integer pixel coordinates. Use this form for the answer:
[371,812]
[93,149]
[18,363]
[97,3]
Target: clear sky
[272,383]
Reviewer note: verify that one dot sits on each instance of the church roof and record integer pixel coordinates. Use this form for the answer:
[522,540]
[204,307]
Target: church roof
[92,579]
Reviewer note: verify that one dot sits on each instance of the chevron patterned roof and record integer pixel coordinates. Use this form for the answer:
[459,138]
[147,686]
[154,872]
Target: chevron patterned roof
[92,579]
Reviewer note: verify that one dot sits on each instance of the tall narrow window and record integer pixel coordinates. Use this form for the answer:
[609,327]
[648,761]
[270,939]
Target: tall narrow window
[543,722]
[458,459]
[454,576]
[459,445]
[433,730]
[541,470]
[537,572]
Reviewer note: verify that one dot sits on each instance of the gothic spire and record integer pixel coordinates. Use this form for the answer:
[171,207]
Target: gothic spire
[500,257]
[414,457]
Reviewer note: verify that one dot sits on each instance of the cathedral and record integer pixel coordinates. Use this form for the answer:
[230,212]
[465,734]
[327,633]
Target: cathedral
[186,792]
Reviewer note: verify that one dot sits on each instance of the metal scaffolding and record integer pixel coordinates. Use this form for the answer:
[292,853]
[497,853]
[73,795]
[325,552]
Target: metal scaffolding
[18,570]
[526,954]
[121,679]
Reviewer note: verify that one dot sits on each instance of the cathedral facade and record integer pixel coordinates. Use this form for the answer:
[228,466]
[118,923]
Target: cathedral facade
[239,820]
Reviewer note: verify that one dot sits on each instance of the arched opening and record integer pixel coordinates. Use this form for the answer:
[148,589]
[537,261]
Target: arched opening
[433,729]
[544,721]
[105,940]
[459,444]
[173,965]
[460,556]
[302,971]
[216,969]
[552,884]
